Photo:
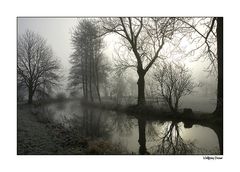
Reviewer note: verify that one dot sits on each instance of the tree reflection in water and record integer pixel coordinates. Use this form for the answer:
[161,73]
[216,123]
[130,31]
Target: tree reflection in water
[167,139]
[170,139]
[156,136]
[122,124]
[173,143]
[90,124]
[142,136]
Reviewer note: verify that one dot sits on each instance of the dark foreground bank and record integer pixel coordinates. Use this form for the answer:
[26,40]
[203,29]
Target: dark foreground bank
[38,134]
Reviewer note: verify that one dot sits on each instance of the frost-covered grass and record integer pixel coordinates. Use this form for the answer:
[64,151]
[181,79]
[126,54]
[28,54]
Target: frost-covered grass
[38,134]
[32,135]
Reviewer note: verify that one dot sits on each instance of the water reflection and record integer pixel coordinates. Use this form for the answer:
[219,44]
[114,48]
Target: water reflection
[142,136]
[91,124]
[123,124]
[172,141]
[166,138]
[137,134]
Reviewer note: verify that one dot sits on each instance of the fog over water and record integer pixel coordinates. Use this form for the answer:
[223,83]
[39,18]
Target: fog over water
[123,130]
[57,32]
[125,85]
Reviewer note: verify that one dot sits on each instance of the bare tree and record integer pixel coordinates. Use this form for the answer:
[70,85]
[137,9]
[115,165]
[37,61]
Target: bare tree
[144,38]
[174,82]
[36,67]
[88,68]
[209,37]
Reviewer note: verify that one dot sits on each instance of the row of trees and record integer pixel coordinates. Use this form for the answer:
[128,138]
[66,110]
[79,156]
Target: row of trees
[88,67]
[145,40]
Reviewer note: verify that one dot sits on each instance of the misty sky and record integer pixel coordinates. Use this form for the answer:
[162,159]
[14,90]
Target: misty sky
[57,32]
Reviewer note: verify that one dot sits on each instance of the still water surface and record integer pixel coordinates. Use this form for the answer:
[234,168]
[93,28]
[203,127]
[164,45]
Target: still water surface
[136,136]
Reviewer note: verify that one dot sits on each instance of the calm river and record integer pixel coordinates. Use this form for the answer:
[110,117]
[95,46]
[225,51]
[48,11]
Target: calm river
[136,136]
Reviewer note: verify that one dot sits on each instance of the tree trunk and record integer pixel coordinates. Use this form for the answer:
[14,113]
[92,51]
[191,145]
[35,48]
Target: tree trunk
[86,86]
[218,129]
[86,76]
[96,71]
[97,85]
[141,89]
[90,88]
[30,96]
[171,105]
[91,73]
[176,106]
[90,80]
[219,132]
[83,85]
[219,108]
[98,93]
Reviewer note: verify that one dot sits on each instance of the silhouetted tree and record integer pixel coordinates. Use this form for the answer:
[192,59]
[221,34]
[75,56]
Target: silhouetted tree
[144,38]
[36,67]
[174,82]
[210,37]
[219,107]
[88,68]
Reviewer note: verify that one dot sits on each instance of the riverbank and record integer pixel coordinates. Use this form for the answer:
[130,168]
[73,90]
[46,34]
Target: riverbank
[149,112]
[38,134]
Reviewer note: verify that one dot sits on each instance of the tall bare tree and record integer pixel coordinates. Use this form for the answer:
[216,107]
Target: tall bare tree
[88,68]
[36,67]
[144,38]
[209,33]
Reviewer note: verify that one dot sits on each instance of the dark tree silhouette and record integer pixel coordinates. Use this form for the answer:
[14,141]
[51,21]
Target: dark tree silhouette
[142,136]
[36,67]
[212,37]
[88,69]
[169,140]
[144,38]
[219,107]
[174,82]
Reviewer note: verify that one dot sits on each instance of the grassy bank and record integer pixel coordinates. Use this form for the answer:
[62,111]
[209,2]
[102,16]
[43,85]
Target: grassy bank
[38,134]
